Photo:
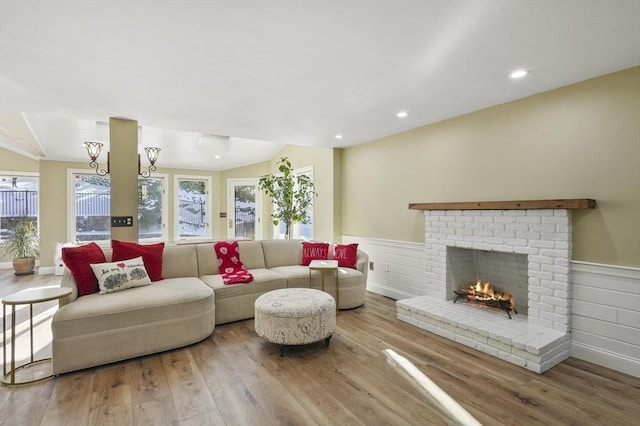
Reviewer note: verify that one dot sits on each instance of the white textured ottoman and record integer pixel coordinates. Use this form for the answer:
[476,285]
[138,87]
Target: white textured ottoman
[295,316]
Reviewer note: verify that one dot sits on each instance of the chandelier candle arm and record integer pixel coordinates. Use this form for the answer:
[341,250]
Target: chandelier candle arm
[94,148]
[152,156]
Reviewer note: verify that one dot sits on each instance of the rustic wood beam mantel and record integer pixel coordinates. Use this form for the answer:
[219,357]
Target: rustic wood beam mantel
[575,203]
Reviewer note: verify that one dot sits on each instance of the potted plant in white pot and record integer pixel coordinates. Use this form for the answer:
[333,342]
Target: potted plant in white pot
[23,244]
[291,194]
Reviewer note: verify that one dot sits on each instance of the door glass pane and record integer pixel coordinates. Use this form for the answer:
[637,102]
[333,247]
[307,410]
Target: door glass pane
[281,231]
[306,229]
[245,211]
[93,208]
[192,219]
[150,208]
[18,197]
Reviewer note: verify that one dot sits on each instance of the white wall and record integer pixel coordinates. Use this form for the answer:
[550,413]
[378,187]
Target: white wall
[605,320]
[399,266]
[605,316]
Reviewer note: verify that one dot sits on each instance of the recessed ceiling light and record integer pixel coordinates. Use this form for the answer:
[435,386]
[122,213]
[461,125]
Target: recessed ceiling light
[216,156]
[518,74]
[402,114]
[338,136]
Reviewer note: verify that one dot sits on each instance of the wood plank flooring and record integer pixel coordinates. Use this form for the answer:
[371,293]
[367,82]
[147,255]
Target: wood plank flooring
[235,378]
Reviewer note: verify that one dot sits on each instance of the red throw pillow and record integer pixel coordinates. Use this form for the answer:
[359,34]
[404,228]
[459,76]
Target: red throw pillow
[228,256]
[79,260]
[151,256]
[314,251]
[346,255]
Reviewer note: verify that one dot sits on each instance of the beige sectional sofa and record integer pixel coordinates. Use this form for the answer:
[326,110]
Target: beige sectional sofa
[183,308]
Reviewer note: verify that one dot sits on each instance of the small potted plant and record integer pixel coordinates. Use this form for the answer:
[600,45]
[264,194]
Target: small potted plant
[23,244]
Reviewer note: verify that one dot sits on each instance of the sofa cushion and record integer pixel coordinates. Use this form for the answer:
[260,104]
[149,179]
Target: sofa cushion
[298,276]
[314,251]
[151,254]
[116,276]
[162,301]
[264,280]
[251,254]
[180,261]
[281,252]
[79,260]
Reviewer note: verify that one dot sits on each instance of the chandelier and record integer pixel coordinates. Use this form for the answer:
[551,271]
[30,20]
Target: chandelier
[94,148]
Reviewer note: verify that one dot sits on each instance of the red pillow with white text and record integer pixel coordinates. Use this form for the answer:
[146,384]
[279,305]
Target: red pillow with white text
[79,260]
[229,264]
[346,255]
[151,256]
[314,251]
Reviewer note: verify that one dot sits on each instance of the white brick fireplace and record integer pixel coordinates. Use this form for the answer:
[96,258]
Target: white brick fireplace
[522,249]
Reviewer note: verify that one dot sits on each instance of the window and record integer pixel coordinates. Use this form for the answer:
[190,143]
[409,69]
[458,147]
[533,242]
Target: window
[91,207]
[299,231]
[18,197]
[193,207]
[152,210]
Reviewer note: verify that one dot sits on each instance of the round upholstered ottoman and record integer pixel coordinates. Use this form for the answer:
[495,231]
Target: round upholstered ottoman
[295,316]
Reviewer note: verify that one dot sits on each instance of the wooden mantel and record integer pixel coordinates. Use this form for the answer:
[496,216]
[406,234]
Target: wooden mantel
[575,203]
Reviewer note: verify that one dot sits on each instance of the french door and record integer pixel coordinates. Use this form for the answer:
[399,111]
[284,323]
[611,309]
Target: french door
[243,209]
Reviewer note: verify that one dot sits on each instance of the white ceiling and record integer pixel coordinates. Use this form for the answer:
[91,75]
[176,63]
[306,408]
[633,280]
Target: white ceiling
[272,73]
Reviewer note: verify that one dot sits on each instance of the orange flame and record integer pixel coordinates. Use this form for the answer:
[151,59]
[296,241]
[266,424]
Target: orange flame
[484,291]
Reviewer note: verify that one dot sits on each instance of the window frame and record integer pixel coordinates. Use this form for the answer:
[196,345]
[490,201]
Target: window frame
[165,210]
[36,175]
[208,207]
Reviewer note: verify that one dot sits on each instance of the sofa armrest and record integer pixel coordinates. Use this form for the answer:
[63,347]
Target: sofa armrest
[68,281]
[362,264]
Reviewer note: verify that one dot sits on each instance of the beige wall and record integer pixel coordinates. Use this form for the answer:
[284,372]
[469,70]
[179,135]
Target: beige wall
[123,151]
[53,206]
[12,162]
[579,141]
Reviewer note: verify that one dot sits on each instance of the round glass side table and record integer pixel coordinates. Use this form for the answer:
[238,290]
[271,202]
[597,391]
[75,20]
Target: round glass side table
[25,297]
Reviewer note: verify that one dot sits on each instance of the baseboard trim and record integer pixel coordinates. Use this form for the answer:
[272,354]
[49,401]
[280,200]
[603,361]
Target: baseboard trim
[391,293]
[46,270]
[605,358]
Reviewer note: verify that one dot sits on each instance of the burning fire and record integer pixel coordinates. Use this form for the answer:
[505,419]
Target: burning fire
[483,292]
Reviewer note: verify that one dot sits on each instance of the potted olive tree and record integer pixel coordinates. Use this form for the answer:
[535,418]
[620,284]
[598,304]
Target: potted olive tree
[23,244]
[291,194]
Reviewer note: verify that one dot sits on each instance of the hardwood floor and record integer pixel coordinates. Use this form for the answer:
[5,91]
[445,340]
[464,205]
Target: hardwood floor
[235,378]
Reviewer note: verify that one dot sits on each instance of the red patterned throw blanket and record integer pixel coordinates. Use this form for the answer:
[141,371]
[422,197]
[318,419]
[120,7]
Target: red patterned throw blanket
[229,264]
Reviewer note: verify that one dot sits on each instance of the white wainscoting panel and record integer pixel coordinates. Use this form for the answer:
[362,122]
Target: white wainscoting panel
[605,316]
[605,300]
[399,266]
